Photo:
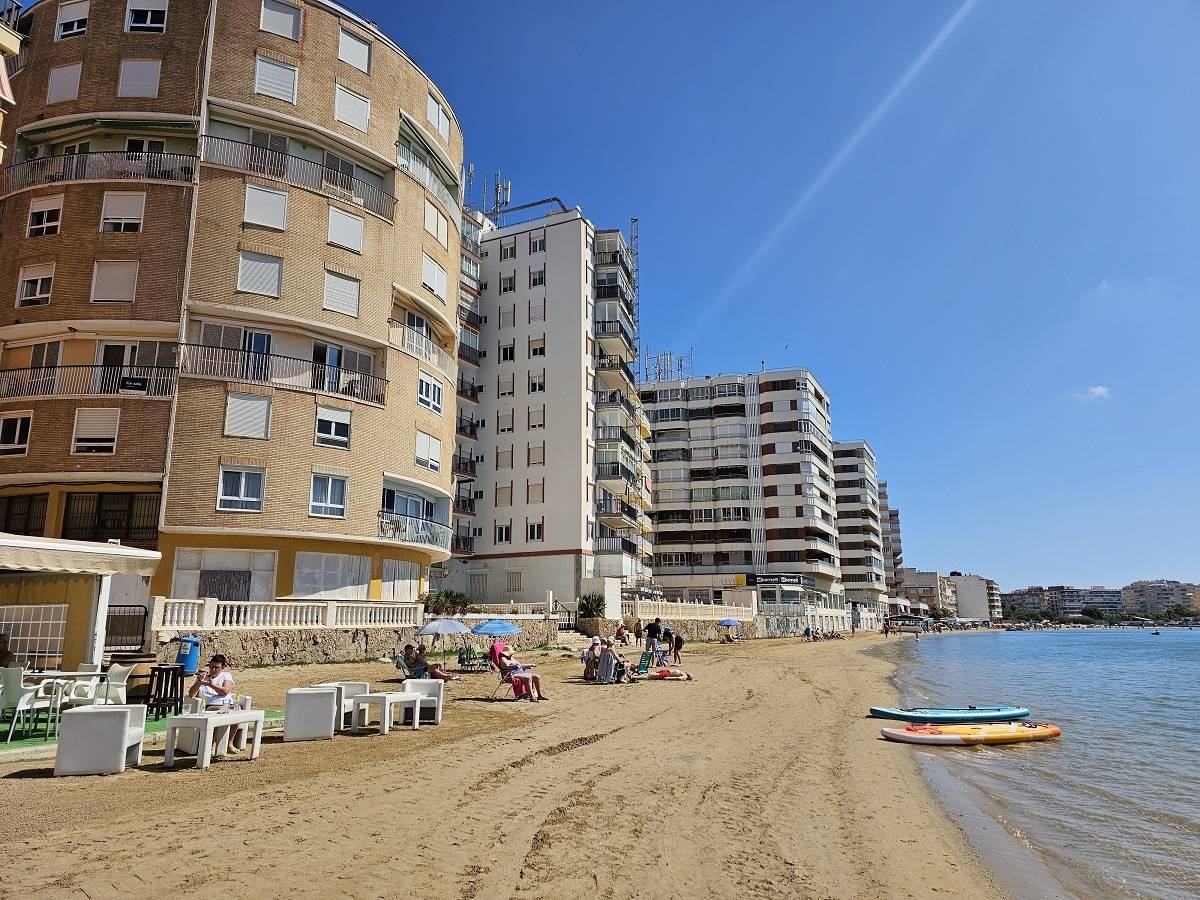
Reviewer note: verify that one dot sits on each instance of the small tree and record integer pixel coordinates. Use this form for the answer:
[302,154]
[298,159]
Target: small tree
[591,606]
[1093,612]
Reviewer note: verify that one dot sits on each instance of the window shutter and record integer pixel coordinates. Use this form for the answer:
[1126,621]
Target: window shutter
[352,109]
[260,274]
[115,281]
[433,276]
[435,454]
[265,206]
[280,18]
[354,50]
[357,361]
[121,205]
[41,204]
[247,415]
[275,79]
[96,424]
[139,78]
[72,12]
[341,293]
[145,4]
[63,83]
[345,230]
[227,336]
[431,217]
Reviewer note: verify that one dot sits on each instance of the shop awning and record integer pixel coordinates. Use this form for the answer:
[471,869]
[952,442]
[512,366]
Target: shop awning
[20,552]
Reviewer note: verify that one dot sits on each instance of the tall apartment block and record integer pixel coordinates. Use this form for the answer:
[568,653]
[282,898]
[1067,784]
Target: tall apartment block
[227,236]
[558,480]
[978,598]
[860,536]
[11,48]
[745,491]
[893,548]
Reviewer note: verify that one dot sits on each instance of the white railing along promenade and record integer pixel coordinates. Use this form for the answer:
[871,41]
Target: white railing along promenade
[210,614]
[701,612]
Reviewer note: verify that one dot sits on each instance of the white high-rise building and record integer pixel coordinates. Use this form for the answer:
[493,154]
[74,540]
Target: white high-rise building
[559,477]
[978,597]
[860,538]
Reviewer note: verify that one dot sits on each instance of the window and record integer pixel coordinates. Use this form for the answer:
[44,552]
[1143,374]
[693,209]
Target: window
[508,352]
[265,206]
[248,415]
[122,211]
[537,244]
[14,433]
[433,277]
[259,273]
[536,530]
[437,117]
[34,284]
[354,50]
[345,229]
[435,223]
[45,215]
[63,83]
[504,458]
[25,513]
[104,516]
[280,18]
[503,534]
[333,427]
[341,293]
[241,490]
[512,582]
[537,417]
[506,385]
[537,347]
[537,312]
[148,16]
[328,497]
[114,281]
[537,278]
[139,78]
[95,430]
[508,284]
[508,251]
[275,79]
[429,391]
[537,454]
[535,491]
[504,423]
[504,494]
[537,382]
[72,20]
[351,108]
[331,576]
[429,452]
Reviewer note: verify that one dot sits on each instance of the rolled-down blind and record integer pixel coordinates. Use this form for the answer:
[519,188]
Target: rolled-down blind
[247,415]
[354,50]
[63,83]
[41,204]
[275,79]
[139,78]
[341,293]
[73,12]
[227,336]
[146,4]
[115,281]
[123,205]
[345,230]
[433,276]
[96,424]
[352,109]
[280,18]
[266,206]
[260,274]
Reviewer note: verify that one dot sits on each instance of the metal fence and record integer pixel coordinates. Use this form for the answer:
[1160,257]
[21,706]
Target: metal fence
[125,628]
[35,632]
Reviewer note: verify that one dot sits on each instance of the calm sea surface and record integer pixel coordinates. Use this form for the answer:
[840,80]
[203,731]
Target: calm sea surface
[1113,806]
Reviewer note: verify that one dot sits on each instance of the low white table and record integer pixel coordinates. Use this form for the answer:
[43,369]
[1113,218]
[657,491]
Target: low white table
[386,700]
[208,724]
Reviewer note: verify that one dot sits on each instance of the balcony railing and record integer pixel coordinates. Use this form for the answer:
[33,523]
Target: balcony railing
[468,354]
[412,530]
[462,544]
[471,245]
[462,465]
[79,381]
[281,371]
[464,505]
[109,165]
[612,507]
[416,169]
[469,390]
[616,545]
[210,614]
[614,470]
[466,427]
[617,433]
[612,258]
[614,328]
[612,363]
[616,398]
[414,343]
[302,173]
[469,317]
[615,292]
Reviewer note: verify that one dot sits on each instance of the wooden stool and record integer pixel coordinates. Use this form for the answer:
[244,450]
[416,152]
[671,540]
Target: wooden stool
[164,693]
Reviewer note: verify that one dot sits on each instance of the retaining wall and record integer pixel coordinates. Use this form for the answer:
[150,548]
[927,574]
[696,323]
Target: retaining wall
[692,629]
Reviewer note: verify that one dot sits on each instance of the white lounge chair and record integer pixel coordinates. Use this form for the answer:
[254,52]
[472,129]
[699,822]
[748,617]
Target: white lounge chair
[100,740]
[310,714]
[433,690]
[346,692]
[82,691]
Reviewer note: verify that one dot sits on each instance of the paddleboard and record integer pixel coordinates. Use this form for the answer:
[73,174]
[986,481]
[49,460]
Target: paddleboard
[951,715]
[970,735]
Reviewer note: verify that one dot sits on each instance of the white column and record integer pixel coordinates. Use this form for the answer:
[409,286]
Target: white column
[99,624]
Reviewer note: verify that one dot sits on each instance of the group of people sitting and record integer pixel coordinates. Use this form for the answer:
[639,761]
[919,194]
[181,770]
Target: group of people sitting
[604,664]
[816,634]
[420,667]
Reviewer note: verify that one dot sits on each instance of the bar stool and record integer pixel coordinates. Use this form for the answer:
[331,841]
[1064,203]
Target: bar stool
[164,693]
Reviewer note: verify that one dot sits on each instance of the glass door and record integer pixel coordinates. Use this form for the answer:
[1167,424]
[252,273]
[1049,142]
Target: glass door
[75,160]
[43,368]
[257,345]
[327,367]
[115,363]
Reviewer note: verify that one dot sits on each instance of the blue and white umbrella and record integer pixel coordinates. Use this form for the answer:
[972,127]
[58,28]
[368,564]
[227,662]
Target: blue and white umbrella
[729,623]
[438,627]
[496,628]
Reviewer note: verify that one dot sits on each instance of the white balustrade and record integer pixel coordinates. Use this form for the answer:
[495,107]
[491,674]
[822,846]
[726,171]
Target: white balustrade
[210,614]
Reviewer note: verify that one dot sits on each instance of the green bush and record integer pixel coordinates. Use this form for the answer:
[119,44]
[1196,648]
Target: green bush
[591,606]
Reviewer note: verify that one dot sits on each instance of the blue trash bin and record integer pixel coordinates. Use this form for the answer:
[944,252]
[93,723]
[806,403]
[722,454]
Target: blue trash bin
[189,655]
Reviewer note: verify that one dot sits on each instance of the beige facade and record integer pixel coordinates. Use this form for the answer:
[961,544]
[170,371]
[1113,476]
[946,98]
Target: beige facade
[927,592]
[860,536]
[233,332]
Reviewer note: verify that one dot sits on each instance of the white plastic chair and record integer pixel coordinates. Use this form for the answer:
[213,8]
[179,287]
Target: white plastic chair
[12,693]
[82,691]
[31,700]
[433,690]
[346,692]
[310,714]
[100,740]
[112,689]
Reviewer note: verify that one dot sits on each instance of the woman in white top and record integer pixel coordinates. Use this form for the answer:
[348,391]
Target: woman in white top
[213,686]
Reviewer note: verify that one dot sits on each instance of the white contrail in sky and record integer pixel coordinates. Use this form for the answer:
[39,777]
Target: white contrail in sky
[768,242]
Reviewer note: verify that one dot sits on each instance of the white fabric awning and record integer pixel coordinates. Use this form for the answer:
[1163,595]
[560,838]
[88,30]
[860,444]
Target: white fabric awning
[6,93]
[20,552]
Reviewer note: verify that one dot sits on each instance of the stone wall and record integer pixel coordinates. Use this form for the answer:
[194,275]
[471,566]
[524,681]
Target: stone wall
[280,646]
[693,630]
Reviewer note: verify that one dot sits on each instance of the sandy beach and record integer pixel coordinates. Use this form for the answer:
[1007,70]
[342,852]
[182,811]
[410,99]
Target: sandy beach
[762,778]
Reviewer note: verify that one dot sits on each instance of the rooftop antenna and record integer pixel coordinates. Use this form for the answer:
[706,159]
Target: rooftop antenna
[669,366]
[469,178]
[501,199]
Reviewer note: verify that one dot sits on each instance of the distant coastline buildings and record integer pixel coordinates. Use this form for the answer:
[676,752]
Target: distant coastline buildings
[978,597]
[1146,598]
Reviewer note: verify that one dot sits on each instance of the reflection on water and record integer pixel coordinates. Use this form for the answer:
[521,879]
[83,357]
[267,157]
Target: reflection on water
[1115,802]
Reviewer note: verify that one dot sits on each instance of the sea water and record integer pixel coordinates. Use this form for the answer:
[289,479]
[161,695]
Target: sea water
[1113,806]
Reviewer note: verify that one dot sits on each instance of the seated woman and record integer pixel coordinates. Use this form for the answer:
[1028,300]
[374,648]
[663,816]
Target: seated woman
[623,634]
[520,675]
[667,673]
[591,660]
[412,662]
[432,669]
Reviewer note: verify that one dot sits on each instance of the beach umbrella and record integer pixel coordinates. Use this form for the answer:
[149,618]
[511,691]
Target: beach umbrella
[496,628]
[438,627]
[729,623]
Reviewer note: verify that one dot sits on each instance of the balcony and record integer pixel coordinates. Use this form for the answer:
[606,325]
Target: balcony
[615,398]
[614,509]
[462,545]
[464,505]
[463,465]
[416,343]
[284,372]
[412,165]
[412,530]
[297,172]
[617,433]
[615,292]
[616,545]
[113,165]
[469,390]
[468,354]
[614,471]
[466,427]
[470,317]
[613,258]
[614,329]
[611,363]
[88,381]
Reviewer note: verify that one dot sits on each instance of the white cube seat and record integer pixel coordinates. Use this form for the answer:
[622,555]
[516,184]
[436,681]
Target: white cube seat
[100,740]
[310,714]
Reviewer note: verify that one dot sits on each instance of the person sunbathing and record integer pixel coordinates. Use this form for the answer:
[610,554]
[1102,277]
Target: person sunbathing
[667,673]
[519,674]
[431,669]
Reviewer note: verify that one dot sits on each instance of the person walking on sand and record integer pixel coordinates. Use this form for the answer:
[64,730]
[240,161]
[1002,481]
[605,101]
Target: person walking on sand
[653,633]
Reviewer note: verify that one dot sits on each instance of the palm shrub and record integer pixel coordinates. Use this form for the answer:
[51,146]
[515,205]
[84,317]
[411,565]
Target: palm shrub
[591,606]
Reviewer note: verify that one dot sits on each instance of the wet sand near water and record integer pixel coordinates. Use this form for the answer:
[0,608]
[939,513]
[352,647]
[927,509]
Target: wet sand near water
[761,779]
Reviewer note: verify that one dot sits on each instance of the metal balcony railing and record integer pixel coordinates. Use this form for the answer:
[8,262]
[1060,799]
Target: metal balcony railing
[415,343]
[614,328]
[470,317]
[469,390]
[462,465]
[10,12]
[284,372]
[616,545]
[613,470]
[416,169]
[79,381]
[462,543]
[464,505]
[617,433]
[466,427]
[413,530]
[471,245]
[302,173]
[109,165]
[611,363]
[615,398]
[614,507]
[468,354]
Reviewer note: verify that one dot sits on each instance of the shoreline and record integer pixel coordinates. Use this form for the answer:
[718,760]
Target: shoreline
[763,776]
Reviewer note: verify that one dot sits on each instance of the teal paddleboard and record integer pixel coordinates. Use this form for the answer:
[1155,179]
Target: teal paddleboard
[952,715]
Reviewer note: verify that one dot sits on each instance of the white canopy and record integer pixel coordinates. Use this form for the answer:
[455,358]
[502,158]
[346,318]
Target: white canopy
[20,552]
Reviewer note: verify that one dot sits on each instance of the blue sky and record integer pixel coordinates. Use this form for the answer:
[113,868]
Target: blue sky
[977,224]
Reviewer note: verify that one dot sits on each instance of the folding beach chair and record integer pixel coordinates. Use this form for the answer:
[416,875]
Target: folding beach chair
[643,665]
[660,655]
[469,660]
